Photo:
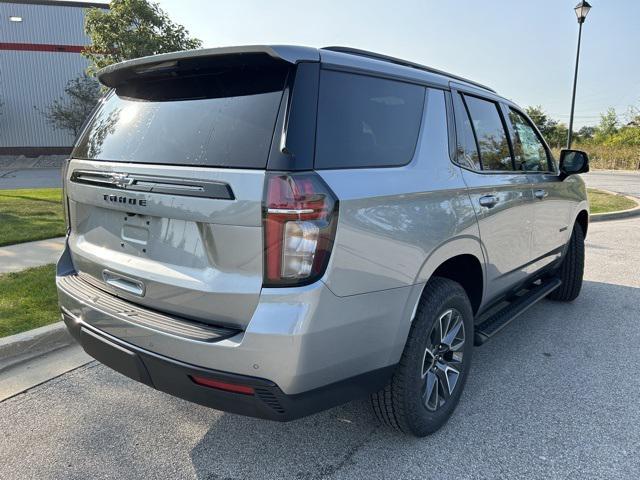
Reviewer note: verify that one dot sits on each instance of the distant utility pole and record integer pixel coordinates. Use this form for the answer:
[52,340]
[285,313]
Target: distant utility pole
[581,12]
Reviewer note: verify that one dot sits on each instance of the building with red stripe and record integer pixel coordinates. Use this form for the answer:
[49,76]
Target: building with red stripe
[40,45]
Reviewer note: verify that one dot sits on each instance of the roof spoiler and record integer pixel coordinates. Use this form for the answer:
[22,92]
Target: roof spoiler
[158,65]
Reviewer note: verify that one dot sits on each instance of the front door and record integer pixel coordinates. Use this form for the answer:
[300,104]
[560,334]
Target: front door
[552,207]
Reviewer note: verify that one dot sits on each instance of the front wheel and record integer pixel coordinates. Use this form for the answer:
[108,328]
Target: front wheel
[433,369]
[571,269]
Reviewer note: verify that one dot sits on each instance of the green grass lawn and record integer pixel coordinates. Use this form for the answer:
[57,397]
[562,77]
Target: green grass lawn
[28,300]
[602,202]
[30,214]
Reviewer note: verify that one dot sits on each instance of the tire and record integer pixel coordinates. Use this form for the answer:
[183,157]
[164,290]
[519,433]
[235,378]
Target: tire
[571,269]
[404,404]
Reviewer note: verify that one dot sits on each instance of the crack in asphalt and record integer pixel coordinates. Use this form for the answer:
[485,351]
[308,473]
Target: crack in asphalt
[326,471]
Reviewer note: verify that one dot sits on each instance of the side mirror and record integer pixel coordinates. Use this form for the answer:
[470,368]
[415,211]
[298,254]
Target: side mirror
[572,162]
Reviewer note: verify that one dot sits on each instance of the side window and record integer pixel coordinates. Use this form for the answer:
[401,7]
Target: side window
[490,133]
[528,150]
[466,148]
[366,121]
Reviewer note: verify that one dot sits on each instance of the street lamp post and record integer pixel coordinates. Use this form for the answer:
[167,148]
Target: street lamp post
[581,12]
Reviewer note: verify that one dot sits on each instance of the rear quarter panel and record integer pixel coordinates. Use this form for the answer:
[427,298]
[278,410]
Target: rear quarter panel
[396,225]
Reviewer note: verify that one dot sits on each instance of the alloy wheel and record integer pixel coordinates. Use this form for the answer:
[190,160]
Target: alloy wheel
[443,357]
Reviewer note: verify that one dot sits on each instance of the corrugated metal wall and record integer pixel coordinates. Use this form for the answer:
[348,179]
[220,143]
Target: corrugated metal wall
[31,80]
[51,24]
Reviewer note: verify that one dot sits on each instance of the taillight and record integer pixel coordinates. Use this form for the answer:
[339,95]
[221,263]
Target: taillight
[300,216]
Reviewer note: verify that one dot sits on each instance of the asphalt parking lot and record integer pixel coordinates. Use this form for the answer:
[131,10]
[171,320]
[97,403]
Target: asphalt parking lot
[625,182]
[555,395]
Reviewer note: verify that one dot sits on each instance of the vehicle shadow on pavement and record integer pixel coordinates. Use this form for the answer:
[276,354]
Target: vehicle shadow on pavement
[543,382]
[313,447]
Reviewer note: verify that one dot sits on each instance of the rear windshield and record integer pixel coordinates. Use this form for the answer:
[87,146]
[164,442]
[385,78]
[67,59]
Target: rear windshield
[219,119]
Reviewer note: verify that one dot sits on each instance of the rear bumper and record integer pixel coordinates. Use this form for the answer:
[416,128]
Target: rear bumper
[175,378]
[306,347]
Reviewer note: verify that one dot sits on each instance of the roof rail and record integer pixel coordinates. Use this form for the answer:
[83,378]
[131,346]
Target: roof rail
[404,63]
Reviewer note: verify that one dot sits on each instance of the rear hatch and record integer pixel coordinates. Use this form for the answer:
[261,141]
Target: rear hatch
[165,186]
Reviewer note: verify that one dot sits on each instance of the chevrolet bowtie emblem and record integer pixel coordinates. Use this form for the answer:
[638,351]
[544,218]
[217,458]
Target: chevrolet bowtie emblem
[121,180]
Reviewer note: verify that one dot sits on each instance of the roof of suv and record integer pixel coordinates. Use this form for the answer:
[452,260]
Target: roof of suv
[118,73]
[404,63]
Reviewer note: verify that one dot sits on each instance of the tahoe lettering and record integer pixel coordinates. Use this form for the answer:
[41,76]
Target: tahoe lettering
[126,200]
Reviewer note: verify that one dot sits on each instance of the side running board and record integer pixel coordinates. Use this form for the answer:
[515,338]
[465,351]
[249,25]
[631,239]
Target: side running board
[496,322]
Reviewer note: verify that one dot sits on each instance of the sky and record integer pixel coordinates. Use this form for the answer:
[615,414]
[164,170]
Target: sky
[523,49]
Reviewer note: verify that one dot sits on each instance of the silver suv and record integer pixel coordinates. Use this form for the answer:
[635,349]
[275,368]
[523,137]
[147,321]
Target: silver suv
[273,231]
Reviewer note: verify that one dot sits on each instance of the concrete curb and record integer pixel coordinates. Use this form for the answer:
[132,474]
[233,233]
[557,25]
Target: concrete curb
[27,345]
[602,217]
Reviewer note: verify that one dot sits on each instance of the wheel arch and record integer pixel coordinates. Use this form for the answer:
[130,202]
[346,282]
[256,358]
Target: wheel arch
[462,260]
[466,270]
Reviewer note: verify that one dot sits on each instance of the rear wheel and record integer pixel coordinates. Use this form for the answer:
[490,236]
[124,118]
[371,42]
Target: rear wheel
[430,377]
[571,269]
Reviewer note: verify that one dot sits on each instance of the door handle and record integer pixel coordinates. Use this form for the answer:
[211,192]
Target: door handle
[488,201]
[540,193]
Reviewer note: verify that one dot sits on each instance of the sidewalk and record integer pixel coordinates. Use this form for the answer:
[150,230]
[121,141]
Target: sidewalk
[31,254]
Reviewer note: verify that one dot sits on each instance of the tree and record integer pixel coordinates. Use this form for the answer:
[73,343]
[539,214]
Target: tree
[616,133]
[132,29]
[608,124]
[71,110]
[586,132]
[633,116]
[555,133]
[558,137]
[627,136]
[541,119]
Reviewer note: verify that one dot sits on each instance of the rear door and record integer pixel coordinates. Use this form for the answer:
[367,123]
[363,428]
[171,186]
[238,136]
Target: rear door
[502,197]
[165,191]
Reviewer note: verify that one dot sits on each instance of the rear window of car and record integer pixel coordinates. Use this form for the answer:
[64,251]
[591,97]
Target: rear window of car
[220,119]
[366,121]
